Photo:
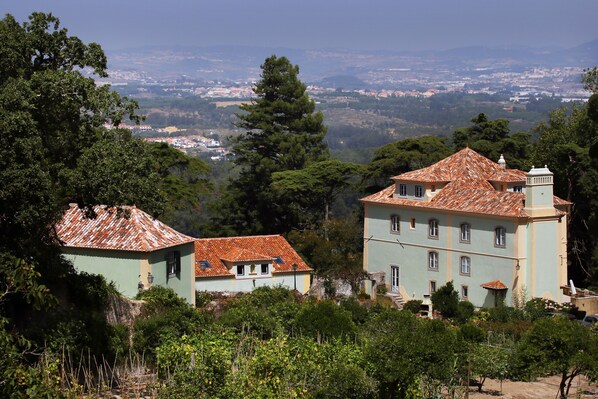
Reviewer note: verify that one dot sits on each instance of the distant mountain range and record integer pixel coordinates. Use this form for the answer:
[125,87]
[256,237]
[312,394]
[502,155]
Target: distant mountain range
[237,63]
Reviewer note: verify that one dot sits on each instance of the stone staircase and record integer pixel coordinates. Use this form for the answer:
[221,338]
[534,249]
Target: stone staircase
[396,298]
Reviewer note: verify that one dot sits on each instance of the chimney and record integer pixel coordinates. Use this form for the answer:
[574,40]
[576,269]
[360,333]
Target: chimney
[539,192]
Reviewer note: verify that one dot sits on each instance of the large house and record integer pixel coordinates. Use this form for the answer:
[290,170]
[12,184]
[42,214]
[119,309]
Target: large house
[130,248]
[493,231]
[237,264]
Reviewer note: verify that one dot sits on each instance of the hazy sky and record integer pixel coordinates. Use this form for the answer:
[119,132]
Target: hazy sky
[353,24]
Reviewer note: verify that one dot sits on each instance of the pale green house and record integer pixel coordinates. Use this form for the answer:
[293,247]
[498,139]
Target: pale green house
[493,231]
[129,248]
[241,264]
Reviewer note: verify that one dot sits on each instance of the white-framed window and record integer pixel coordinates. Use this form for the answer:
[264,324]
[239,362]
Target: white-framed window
[412,224]
[265,268]
[433,228]
[432,286]
[402,190]
[173,264]
[465,232]
[433,188]
[433,260]
[464,291]
[465,265]
[240,270]
[500,237]
[518,189]
[395,226]
[419,191]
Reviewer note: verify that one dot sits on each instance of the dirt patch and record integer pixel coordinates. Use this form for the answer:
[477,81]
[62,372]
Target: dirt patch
[543,388]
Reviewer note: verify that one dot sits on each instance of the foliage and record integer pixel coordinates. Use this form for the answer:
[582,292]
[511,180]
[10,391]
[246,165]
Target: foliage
[165,316]
[266,311]
[413,306]
[359,312]
[489,361]
[323,320]
[333,250]
[493,138]
[557,345]
[472,333]
[403,156]
[314,188]
[446,300]
[282,132]
[590,79]
[401,348]
[465,311]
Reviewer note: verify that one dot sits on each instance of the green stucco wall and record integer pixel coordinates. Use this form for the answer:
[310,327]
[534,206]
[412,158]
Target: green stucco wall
[120,267]
[183,284]
[127,268]
[233,284]
[409,250]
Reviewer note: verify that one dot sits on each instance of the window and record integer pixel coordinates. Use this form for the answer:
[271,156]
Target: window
[433,228]
[240,270]
[403,190]
[419,191]
[204,264]
[394,224]
[433,188]
[433,260]
[173,264]
[500,237]
[465,265]
[265,268]
[412,223]
[464,291]
[465,232]
[432,286]
[518,189]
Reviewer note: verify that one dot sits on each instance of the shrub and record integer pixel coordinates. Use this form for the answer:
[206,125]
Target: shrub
[465,310]
[359,313]
[324,319]
[446,300]
[413,306]
[472,333]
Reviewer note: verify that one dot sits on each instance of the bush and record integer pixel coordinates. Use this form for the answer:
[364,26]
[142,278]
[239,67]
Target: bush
[446,300]
[465,310]
[359,313]
[413,306]
[325,320]
[472,333]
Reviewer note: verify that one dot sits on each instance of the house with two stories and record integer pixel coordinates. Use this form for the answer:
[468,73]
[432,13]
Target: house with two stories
[130,248]
[240,264]
[493,231]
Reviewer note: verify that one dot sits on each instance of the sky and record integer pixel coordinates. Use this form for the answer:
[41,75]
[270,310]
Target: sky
[314,24]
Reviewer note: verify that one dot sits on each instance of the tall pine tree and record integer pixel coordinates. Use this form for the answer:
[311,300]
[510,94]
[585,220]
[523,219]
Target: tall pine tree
[282,132]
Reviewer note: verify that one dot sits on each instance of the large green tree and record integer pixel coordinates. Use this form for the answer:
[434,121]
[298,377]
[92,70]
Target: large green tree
[492,138]
[282,132]
[54,149]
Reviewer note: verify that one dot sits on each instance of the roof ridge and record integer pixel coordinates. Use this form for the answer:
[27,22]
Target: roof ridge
[236,237]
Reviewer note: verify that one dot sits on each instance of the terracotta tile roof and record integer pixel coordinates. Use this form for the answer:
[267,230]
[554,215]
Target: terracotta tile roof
[215,251]
[495,285]
[468,189]
[137,232]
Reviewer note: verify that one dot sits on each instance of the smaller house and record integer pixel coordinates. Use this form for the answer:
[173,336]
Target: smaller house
[129,248]
[237,264]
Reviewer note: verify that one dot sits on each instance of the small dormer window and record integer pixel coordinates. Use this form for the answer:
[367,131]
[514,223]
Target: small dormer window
[419,191]
[265,268]
[240,270]
[518,189]
[402,190]
[433,188]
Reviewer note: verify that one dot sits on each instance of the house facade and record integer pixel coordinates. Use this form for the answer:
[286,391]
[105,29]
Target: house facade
[130,248]
[240,264]
[493,231]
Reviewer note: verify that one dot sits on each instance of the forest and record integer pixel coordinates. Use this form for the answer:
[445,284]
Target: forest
[271,343]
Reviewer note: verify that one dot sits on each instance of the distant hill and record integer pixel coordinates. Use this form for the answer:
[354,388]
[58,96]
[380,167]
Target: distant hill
[355,68]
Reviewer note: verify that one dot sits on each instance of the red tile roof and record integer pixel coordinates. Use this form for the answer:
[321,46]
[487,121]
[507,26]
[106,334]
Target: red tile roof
[109,230]
[245,249]
[495,285]
[467,175]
